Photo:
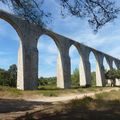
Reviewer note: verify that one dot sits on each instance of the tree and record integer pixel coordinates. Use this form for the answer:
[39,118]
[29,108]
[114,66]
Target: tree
[4,77]
[112,75]
[75,78]
[93,78]
[97,12]
[12,75]
[9,77]
[47,81]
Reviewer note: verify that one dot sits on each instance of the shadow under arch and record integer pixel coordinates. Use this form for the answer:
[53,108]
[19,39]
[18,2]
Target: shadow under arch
[75,64]
[92,61]
[48,53]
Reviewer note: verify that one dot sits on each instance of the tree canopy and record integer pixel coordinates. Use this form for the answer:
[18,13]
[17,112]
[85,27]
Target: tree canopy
[96,12]
[112,74]
[9,77]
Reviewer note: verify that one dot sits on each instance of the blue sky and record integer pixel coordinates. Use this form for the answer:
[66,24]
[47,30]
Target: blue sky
[106,40]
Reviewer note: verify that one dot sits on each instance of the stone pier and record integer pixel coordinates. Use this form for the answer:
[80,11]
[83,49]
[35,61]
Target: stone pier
[28,56]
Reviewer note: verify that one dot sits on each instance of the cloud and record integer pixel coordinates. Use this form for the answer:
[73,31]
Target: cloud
[106,40]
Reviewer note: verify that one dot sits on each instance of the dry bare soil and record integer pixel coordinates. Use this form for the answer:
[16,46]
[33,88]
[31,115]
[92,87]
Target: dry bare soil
[90,104]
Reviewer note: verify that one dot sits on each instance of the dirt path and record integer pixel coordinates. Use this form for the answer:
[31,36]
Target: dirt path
[69,96]
[13,108]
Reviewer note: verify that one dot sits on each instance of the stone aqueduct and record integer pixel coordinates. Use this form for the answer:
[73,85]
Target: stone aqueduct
[28,56]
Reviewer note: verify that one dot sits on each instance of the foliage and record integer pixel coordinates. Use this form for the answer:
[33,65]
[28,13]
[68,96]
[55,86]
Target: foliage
[44,81]
[51,81]
[75,78]
[93,78]
[112,74]
[12,75]
[97,12]
[8,77]
[4,76]
[30,10]
[104,107]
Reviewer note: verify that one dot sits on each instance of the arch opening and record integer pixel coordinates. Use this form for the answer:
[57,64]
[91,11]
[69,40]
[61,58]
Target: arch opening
[8,53]
[47,67]
[5,17]
[106,69]
[105,64]
[75,62]
[92,61]
[114,65]
[116,81]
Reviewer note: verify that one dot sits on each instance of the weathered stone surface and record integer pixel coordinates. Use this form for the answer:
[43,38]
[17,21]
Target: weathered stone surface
[28,56]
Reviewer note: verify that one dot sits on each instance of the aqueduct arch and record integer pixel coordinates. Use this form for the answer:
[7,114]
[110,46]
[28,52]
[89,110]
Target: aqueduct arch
[28,56]
[92,60]
[56,43]
[75,58]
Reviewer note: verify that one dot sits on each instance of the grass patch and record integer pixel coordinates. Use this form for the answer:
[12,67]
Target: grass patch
[80,102]
[112,95]
[104,106]
[88,108]
[50,91]
[9,91]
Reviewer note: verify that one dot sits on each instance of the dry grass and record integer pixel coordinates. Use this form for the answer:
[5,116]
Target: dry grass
[6,92]
[105,106]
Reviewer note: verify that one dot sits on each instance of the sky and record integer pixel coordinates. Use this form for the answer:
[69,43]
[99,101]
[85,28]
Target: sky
[107,40]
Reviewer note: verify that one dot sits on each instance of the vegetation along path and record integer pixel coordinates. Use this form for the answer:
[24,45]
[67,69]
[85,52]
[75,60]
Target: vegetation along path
[70,96]
[14,107]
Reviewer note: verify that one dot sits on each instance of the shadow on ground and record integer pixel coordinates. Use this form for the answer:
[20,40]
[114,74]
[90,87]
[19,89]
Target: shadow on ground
[86,109]
[14,105]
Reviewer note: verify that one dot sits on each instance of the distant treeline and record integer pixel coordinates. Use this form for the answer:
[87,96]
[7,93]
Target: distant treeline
[43,81]
[9,77]
[52,81]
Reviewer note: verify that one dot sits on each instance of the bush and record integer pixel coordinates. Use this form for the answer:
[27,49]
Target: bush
[75,78]
[112,74]
[9,77]
[44,81]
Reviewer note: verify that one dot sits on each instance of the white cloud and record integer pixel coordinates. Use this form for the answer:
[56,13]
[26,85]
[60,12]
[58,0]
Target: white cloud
[107,39]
